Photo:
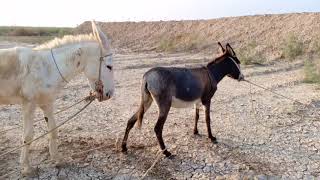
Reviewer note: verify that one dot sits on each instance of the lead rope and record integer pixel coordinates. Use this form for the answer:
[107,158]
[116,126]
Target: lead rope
[54,60]
[39,120]
[70,117]
[289,98]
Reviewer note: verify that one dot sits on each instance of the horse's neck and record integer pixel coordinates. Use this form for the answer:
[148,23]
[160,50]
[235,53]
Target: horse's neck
[68,62]
[219,70]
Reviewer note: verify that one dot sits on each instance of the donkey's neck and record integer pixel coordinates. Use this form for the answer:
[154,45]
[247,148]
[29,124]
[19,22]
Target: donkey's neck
[218,71]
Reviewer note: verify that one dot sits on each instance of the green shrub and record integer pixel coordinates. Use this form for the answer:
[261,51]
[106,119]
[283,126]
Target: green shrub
[292,47]
[251,55]
[312,71]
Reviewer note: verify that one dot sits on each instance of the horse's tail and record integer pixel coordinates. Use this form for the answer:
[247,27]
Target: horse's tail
[146,101]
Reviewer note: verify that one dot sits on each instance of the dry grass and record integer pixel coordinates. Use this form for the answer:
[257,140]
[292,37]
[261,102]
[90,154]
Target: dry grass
[312,70]
[182,43]
[292,47]
[251,54]
[31,35]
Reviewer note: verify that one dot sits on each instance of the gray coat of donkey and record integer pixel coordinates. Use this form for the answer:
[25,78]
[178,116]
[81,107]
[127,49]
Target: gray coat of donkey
[183,87]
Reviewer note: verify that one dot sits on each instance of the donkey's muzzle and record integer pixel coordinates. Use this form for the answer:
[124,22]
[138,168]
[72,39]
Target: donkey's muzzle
[241,77]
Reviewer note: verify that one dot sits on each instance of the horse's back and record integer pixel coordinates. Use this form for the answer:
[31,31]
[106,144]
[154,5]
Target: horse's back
[9,63]
[10,75]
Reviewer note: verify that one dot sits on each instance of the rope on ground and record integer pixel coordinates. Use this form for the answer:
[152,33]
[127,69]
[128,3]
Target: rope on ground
[159,155]
[289,98]
[8,174]
[27,143]
[41,119]
[253,110]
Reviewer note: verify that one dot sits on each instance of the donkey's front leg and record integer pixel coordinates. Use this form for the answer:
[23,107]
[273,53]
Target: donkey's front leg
[28,109]
[51,124]
[207,116]
[196,118]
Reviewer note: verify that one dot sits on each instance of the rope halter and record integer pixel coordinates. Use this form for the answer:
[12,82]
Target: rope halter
[241,76]
[98,84]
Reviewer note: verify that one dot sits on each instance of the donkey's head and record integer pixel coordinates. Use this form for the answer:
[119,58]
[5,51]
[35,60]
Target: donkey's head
[232,62]
[99,68]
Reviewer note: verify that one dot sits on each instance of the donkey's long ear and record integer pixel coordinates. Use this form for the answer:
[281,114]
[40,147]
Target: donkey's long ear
[222,50]
[230,50]
[101,37]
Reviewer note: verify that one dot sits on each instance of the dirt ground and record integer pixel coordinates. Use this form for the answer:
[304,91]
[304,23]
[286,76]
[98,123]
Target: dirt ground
[260,135]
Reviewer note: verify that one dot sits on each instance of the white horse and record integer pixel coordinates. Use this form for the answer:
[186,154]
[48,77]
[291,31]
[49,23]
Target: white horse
[34,77]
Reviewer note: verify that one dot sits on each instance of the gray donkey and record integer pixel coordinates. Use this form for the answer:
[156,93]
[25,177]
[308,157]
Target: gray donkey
[181,88]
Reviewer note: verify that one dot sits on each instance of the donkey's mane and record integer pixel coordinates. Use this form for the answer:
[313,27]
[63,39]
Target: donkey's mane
[65,40]
[215,60]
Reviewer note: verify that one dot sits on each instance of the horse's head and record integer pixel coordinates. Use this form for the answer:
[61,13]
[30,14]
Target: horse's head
[232,61]
[99,68]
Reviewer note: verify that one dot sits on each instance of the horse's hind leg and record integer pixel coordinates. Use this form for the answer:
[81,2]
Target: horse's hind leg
[49,118]
[28,109]
[146,101]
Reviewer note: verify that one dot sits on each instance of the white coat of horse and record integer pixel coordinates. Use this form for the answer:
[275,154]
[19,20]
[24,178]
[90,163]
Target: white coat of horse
[34,77]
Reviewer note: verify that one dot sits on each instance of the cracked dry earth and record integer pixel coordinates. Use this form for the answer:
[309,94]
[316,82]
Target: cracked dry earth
[260,135]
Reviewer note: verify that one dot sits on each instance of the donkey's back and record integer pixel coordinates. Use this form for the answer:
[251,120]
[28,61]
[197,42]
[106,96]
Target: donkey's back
[184,84]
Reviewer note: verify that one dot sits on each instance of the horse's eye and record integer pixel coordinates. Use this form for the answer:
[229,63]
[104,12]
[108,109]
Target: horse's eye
[109,67]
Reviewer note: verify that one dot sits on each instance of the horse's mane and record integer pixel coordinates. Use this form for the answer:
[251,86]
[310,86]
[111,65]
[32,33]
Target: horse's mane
[65,40]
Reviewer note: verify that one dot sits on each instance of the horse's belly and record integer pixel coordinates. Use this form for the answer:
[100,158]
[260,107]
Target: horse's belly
[10,100]
[178,103]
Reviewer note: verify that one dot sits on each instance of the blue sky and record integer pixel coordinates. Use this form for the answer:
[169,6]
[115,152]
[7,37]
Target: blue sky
[74,12]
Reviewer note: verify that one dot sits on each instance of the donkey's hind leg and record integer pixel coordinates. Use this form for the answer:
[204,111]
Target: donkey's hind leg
[146,102]
[28,109]
[49,118]
[164,105]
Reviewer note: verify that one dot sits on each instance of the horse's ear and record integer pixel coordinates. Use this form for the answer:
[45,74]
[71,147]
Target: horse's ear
[101,37]
[222,50]
[230,50]
[94,29]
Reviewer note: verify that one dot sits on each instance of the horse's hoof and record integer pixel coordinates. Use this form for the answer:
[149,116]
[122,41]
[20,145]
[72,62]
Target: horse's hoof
[29,171]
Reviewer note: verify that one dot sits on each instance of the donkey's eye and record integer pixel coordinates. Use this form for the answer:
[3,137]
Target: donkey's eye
[109,67]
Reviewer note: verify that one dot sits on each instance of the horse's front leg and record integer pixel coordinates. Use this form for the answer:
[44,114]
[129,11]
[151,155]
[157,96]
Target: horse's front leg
[28,109]
[51,124]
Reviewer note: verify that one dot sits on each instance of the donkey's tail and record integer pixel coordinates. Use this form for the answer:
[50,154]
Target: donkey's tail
[146,101]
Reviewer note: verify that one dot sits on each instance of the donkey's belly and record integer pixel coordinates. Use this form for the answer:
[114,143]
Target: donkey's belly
[178,103]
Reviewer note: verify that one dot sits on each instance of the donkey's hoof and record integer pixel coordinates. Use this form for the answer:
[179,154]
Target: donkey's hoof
[171,157]
[195,132]
[29,171]
[60,163]
[167,153]
[214,140]
[124,148]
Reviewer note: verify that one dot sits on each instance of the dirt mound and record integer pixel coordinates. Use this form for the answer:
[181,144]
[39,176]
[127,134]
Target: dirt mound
[267,31]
